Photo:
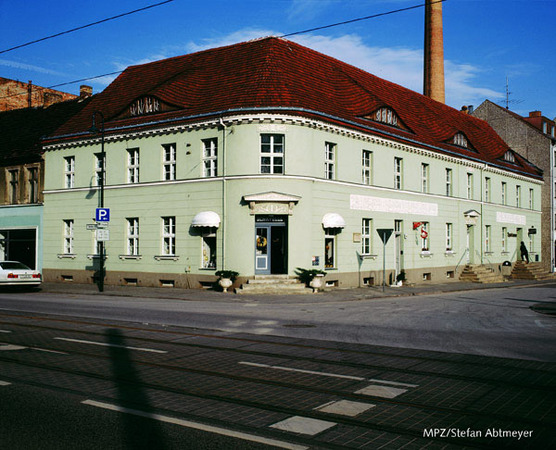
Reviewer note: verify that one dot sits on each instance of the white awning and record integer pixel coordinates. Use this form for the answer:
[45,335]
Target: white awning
[333,220]
[206,219]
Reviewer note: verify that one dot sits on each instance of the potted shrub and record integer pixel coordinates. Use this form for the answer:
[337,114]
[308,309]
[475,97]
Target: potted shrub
[226,278]
[311,277]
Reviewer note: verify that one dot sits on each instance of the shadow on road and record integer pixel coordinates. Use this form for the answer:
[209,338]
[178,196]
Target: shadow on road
[140,432]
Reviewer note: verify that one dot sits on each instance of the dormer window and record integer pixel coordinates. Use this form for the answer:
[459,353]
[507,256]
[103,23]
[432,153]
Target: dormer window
[460,140]
[509,156]
[386,115]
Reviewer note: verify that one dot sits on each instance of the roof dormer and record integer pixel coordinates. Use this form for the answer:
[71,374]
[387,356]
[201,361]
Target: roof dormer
[460,140]
[387,116]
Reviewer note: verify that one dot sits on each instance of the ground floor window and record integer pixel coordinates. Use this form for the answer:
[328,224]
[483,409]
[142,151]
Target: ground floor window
[132,236]
[425,236]
[168,236]
[68,237]
[330,248]
[208,251]
[366,227]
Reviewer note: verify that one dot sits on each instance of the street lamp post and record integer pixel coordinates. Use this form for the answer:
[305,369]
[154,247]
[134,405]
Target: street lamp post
[94,129]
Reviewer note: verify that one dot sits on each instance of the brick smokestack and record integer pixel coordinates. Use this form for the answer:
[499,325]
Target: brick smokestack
[433,85]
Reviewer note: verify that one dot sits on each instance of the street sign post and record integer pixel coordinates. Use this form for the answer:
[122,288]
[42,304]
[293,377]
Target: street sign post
[384,234]
[102,215]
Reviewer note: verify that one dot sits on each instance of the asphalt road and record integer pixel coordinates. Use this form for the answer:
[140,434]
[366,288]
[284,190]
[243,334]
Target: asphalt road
[497,322]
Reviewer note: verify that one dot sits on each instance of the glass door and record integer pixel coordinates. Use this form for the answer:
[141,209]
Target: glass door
[262,249]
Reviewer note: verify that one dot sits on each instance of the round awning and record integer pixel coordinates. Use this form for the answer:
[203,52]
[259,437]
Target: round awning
[206,219]
[333,220]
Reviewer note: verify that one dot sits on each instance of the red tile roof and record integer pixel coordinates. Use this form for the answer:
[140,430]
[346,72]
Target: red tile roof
[280,75]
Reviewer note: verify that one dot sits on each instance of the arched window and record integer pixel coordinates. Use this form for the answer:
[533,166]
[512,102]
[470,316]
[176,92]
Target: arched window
[460,140]
[386,115]
[509,156]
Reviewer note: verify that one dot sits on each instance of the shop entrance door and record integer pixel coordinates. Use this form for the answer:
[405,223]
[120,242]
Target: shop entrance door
[271,245]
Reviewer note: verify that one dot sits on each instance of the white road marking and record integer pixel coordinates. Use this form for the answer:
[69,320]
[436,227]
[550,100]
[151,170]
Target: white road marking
[4,383]
[197,426]
[5,331]
[376,390]
[10,347]
[345,408]
[48,351]
[393,383]
[303,425]
[311,372]
[540,324]
[104,344]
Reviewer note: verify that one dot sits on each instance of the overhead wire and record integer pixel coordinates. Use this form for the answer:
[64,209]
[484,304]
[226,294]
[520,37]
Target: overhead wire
[374,16]
[85,26]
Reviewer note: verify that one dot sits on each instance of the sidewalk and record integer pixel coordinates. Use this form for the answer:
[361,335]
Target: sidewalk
[331,295]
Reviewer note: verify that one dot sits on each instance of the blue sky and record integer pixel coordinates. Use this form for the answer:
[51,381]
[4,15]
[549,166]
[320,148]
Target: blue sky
[485,41]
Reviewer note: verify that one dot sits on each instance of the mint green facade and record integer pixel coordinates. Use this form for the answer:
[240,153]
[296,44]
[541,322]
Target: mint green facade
[430,200]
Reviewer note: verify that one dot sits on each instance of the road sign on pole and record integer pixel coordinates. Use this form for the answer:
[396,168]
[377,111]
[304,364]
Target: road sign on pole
[384,234]
[102,215]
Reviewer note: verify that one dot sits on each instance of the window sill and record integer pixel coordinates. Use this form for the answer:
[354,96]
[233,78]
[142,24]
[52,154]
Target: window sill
[95,256]
[449,253]
[136,257]
[426,254]
[67,256]
[330,268]
[369,256]
[489,253]
[208,269]
[166,257]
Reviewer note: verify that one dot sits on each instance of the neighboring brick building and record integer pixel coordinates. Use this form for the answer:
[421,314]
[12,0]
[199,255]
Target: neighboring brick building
[22,177]
[534,138]
[17,94]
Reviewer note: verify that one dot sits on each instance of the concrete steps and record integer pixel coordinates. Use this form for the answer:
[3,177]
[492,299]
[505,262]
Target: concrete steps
[273,284]
[480,274]
[531,271]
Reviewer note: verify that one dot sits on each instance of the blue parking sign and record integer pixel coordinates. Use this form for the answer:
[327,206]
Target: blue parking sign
[102,215]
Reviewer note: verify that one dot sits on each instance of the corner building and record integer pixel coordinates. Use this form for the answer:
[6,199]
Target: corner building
[266,156]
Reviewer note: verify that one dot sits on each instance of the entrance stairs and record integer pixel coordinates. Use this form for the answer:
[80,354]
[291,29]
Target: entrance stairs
[531,271]
[480,274]
[273,284]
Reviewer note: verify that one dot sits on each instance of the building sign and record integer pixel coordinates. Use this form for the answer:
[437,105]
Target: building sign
[391,205]
[144,105]
[515,219]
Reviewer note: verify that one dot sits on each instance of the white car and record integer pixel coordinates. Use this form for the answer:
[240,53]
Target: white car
[14,273]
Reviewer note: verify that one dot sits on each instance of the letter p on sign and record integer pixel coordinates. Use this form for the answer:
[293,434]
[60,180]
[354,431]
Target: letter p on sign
[102,215]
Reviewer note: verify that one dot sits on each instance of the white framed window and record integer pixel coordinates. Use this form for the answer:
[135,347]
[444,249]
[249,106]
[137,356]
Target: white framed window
[169,236]
[518,196]
[425,237]
[33,184]
[449,183]
[133,165]
[100,168]
[366,234]
[330,248]
[398,173]
[470,186]
[210,157]
[488,248]
[386,115]
[272,153]
[460,140]
[449,233]
[504,193]
[487,189]
[208,250]
[531,199]
[132,232]
[69,171]
[504,239]
[68,237]
[424,178]
[329,160]
[169,162]
[366,167]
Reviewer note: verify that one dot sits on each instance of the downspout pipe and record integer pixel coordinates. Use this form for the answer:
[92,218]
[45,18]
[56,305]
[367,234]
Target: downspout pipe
[223,226]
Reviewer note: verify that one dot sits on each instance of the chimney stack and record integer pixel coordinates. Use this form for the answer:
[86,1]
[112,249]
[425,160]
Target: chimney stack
[433,85]
[85,91]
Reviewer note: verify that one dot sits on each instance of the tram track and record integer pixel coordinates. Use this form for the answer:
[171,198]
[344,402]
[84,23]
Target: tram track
[260,380]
